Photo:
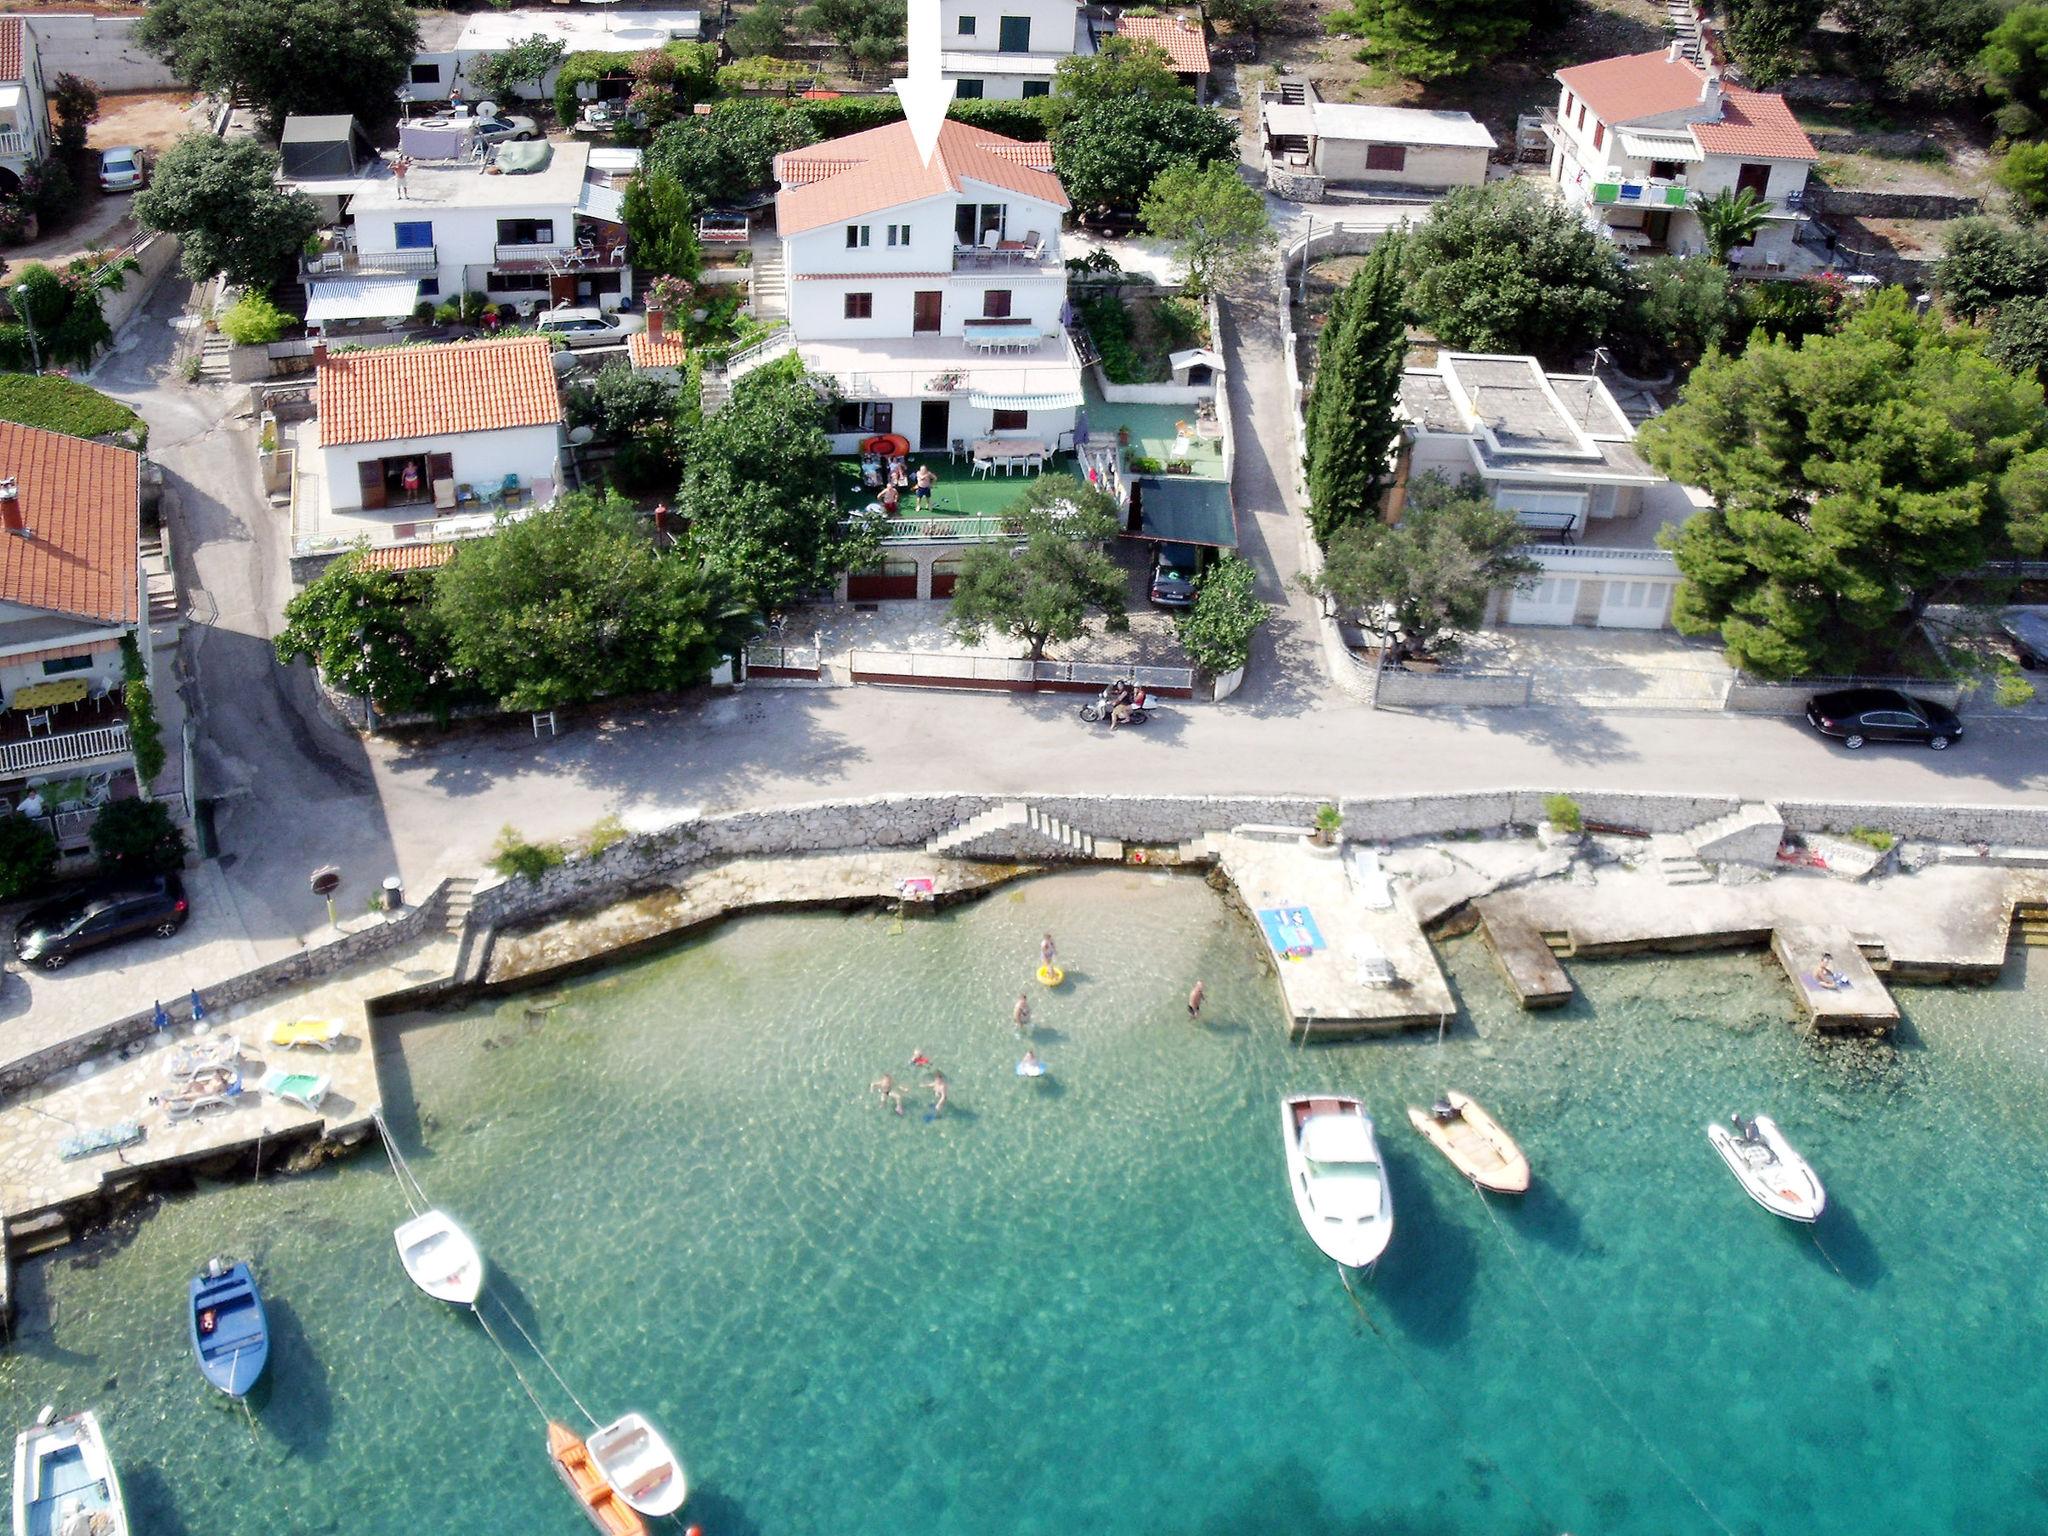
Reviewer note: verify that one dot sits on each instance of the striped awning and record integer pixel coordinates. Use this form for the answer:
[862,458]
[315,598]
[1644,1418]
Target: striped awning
[361,298]
[1058,400]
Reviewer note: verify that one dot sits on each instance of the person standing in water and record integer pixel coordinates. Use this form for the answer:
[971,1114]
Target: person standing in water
[1046,953]
[938,1088]
[1021,1014]
[1195,1001]
[886,1092]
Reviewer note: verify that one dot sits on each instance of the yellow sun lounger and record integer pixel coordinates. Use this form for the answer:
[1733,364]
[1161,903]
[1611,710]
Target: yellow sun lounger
[299,1032]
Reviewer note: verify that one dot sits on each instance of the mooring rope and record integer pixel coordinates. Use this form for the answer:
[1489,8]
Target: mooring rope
[511,1318]
[1594,1376]
[519,1375]
[1486,1462]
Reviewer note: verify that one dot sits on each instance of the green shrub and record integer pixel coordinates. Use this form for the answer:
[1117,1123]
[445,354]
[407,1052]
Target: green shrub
[514,855]
[27,855]
[1109,326]
[1180,323]
[252,320]
[2024,173]
[1328,820]
[137,837]
[762,72]
[1872,837]
[605,832]
[1145,464]
[1562,812]
[58,404]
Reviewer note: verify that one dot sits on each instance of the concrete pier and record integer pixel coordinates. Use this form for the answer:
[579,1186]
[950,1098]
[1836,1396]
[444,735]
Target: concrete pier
[1376,973]
[1859,1006]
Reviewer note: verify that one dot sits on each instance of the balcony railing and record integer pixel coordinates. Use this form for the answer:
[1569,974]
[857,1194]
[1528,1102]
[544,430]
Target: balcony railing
[584,257]
[39,752]
[12,143]
[1008,256]
[336,263]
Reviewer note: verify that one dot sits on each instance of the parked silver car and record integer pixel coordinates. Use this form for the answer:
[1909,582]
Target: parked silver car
[125,169]
[587,327]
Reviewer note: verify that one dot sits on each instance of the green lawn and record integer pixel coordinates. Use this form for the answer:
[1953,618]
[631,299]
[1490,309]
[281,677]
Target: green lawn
[62,405]
[959,490]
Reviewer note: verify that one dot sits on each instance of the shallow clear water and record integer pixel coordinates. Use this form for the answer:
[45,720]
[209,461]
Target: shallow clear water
[1085,1303]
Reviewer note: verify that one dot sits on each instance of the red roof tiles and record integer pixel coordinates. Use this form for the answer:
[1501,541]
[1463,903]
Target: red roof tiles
[80,503]
[867,172]
[10,47]
[389,393]
[407,557]
[667,351]
[1636,86]
[1180,36]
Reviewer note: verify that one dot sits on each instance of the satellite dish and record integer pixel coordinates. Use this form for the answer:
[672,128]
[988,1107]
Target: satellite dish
[578,436]
[565,363]
[487,109]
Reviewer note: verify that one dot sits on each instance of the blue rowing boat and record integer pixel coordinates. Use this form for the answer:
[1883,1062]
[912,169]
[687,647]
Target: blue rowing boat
[229,1334]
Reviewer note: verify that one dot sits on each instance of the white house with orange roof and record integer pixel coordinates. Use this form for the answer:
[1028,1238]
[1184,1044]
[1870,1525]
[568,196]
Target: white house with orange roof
[414,437]
[933,293]
[24,115]
[1636,139]
[1007,49]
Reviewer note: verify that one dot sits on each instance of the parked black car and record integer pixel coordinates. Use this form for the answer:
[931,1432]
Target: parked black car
[1856,715]
[1173,575]
[104,913]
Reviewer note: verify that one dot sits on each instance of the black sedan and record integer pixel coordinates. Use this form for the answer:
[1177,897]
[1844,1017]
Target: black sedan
[101,914]
[1857,715]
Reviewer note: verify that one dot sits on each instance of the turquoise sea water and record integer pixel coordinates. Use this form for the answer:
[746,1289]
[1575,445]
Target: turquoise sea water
[1085,1304]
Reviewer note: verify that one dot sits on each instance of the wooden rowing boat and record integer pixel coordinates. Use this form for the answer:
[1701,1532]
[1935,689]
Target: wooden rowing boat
[600,1500]
[636,1460]
[1474,1142]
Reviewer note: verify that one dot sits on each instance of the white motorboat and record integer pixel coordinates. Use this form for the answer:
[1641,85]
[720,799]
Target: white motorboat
[638,1463]
[441,1258]
[64,1480]
[1764,1162]
[1333,1166]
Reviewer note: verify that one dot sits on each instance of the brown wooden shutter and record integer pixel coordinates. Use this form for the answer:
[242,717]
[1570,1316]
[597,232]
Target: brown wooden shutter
[370,475]
[440,466]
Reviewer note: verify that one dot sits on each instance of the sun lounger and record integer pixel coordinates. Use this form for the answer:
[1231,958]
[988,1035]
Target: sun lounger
[105,1138]
[217,1054]
[1369,880]
[305,1032]
[305,1089]
[210,1090]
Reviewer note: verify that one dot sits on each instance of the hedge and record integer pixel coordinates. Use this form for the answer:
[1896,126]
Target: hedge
[696,73]
[842,115]
[63,405]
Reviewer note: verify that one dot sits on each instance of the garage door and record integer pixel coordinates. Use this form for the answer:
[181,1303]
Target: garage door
[1552,600]
[1634,604]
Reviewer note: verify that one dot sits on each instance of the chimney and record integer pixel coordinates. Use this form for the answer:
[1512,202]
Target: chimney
[657,317]
[1710,91]
[1672,54]
[319,350]
[10,508]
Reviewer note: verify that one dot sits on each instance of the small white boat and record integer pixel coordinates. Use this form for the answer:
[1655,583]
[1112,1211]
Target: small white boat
[1765,1164]
[1473,1140]
[1333,1167]
[64,1480]
[441,1258]
[637,1462]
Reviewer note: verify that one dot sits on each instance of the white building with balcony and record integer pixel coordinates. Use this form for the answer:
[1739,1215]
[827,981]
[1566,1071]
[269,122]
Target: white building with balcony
[1009,49]
[24,115]
[1635,140]
[522,224]
[1557,451]
[933,293]
[71,588]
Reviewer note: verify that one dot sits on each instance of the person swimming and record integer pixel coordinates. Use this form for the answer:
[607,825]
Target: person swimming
[938,1088]
[920,1060]
[1195,1000]
[1030,1066]
[1020,1015]
[886,1092]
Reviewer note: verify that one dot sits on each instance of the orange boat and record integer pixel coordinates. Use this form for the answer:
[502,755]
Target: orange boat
[607,1511]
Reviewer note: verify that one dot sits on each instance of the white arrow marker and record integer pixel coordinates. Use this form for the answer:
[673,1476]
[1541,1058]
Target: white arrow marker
[925,92]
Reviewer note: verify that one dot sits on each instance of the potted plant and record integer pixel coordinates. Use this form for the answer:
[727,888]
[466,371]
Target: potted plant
[1562,822]
[1328,820]
[1123,437]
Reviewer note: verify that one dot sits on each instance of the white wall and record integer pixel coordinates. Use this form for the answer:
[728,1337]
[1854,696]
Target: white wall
[817,309]
[1433,165]
[463,237]
[102,49]
[966,422]
[996,87]
[482,459]
[1052,25]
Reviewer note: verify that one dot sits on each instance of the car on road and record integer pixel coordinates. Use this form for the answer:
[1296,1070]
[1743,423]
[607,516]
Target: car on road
[104,913]
[1854,716]
[2028,632]
[124,169]
[587,327]
[1173,575]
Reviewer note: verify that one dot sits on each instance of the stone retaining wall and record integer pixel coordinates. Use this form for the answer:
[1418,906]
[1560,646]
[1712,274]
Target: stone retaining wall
[319,960]
[1421,690]
[1858,204]
[1747,695]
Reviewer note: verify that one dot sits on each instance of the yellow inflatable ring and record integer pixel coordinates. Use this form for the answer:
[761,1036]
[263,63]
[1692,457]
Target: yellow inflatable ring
[1051,975]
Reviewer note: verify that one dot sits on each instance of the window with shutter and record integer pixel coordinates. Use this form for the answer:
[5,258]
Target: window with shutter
[370,476]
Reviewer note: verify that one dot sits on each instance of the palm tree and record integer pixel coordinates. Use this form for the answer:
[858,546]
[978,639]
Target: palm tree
[1730,218]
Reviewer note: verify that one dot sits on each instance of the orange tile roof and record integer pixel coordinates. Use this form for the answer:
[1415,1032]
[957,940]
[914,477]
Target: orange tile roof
[407,557]
[1641,85]
[646,352]
[867,172]
[10,48]
[1180,36]
[80,503]
[466,386]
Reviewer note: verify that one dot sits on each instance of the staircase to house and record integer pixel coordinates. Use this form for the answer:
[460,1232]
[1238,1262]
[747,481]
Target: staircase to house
[1678,15]
[718,383]
[770,284]
[1014,830]
[213,356]
[164,607]
[1676,861]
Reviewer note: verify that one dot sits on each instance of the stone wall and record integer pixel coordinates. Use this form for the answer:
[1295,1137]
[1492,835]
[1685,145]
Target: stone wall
[1750,696]
[101,48]
[1421,690]
[1856,203]
[2021,826]
[374,938]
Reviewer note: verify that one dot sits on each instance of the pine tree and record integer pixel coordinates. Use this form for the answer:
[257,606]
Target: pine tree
[1353,411]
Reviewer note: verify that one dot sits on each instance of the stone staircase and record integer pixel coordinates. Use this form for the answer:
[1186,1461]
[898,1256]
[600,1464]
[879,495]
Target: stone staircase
[1677,862]
[213,356]
[1559,942]
[164,607]
[1014,830]
[770,284]
[1196,850]
[2030,924]
[1679,17]
[718,383]
[461,897]
[1750,834]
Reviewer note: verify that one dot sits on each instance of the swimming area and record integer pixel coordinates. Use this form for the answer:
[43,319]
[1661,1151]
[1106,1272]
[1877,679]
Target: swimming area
[1084,1302]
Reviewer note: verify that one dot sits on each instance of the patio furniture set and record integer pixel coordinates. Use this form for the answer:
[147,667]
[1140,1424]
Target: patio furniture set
[38,703]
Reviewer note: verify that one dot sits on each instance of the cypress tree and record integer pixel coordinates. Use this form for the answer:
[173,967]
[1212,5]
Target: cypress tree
[1353,414]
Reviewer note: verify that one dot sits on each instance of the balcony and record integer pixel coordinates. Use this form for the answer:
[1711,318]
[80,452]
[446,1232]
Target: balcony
[584,256]
[1641,192]
[23,755]
[339,263]
[1004,256]
[16,146]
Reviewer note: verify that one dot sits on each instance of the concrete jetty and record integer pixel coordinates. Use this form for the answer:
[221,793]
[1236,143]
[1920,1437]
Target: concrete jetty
[1374,971]
[1858,1004]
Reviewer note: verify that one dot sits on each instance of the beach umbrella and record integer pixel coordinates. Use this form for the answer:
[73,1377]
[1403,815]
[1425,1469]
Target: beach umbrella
[160,1019]
[198,1008]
